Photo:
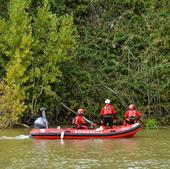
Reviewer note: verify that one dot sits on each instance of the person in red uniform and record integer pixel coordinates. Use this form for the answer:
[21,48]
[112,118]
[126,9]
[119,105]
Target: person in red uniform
[108,114]
[132,115]
[79,122]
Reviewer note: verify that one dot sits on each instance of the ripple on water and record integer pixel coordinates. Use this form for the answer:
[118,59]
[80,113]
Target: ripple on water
[55,163]
[148,151]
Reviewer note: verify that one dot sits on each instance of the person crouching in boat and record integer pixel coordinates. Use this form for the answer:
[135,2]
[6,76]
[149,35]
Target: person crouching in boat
[41,122]
[132,115]
[108,114]
[79,122]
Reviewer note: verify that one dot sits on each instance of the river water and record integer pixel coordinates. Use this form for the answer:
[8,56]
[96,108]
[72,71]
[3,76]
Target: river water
[148,149]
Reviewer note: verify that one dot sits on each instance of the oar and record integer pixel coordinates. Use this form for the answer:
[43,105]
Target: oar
[88,121]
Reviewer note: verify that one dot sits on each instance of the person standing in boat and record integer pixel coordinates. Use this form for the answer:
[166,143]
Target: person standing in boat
[78,121]
[108,114]
[131,115]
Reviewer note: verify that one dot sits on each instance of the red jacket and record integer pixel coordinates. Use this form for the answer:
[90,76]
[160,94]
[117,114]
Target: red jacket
[132,113]
[79,120]
[107,110]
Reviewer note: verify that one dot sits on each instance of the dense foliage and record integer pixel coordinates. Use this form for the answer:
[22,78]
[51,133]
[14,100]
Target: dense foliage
[32,46]
[120,50]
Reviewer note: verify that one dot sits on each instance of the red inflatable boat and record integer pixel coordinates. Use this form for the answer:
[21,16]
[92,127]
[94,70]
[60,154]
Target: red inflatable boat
[71,133]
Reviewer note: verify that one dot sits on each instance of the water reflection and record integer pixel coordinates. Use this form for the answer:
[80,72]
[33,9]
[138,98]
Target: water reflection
[94,153]
[61,142]
[148,149]
[127,144]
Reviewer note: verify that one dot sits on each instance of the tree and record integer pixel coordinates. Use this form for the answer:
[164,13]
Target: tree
[16,41]
[54,42]
[32,48]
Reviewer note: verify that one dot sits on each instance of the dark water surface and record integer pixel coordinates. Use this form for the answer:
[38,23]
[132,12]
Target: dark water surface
[148,149]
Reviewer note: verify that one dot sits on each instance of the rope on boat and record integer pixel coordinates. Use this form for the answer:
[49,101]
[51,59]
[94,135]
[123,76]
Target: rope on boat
[62,135]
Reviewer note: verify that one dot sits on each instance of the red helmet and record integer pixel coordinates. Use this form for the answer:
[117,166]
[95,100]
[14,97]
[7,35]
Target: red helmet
[131,107]
[80,111]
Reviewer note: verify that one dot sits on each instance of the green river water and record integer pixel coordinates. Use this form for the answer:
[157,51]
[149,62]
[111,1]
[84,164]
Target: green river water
[148,149]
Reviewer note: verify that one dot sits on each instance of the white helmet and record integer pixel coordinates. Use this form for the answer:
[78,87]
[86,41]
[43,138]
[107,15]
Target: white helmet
[131,107]
[107,101]
[80,111]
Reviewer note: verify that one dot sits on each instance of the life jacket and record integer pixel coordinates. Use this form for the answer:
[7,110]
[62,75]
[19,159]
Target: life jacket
[132,113]
[78,120]
[78,123]
[107,110]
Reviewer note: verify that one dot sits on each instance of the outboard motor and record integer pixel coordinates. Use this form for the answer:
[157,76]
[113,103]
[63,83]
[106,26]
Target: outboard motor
[41,122]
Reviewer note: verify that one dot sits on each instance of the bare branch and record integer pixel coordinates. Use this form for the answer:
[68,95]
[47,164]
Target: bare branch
[68,108]
[35,102]
[123,103]
[88,121]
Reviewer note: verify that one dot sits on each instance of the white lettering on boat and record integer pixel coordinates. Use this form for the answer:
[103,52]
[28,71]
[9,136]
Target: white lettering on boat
[88,131]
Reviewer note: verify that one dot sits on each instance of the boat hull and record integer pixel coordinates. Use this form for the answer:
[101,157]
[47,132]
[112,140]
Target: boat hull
[99,133]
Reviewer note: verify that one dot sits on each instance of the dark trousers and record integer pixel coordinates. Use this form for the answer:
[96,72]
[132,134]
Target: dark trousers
[108,121]
[130,120]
